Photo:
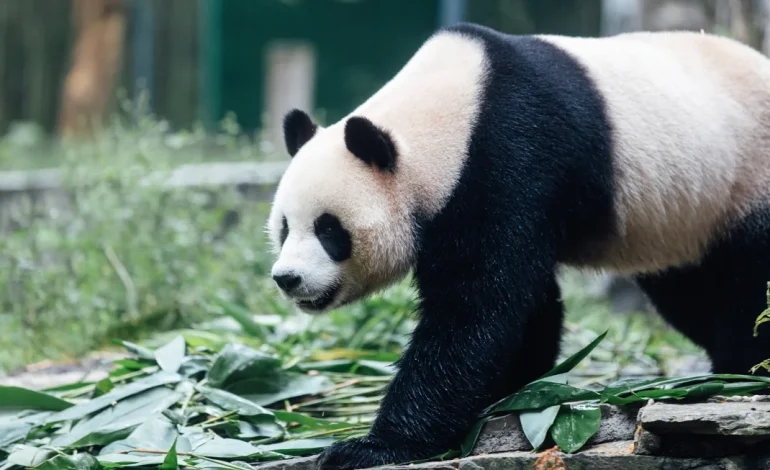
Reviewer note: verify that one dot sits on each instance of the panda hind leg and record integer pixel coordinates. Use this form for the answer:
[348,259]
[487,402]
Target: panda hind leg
[683,297]
[717,302]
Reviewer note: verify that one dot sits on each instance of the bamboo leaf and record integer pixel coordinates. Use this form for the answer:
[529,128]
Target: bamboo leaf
[543,394]
[139,351]
[570,363]
[169,356]
[156,432]
[227,449]
[237,361]
[130,460]
[271,389]
[170,462]
[643,395]
[29,456]
[117,422]
[79,461]
[117,394]
[244,318]
[743,388]
[536,424]
[250,431]
[299,446]
[232,402]
[704,390]
[308,422]
[18,398]
[13,432]
[470,440]
[376,367]
[574,426]
[103,386]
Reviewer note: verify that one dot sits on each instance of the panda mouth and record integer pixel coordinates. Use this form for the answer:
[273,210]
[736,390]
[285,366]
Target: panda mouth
[321,302]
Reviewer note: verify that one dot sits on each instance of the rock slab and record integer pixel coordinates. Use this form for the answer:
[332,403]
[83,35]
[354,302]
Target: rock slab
[610,456]
[504,434]
[724,419]
[704,429]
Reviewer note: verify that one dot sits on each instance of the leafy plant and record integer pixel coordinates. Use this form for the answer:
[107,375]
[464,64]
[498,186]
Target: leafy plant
[117,254]
[572,415]
[184,406]
[188,405]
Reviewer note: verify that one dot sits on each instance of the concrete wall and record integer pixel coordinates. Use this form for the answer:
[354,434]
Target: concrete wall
[44,191]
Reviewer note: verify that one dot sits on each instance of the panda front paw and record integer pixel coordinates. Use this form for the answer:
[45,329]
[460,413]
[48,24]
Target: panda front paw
[360,453]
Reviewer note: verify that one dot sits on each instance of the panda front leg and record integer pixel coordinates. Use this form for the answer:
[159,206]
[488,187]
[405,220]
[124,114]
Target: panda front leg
[488,326]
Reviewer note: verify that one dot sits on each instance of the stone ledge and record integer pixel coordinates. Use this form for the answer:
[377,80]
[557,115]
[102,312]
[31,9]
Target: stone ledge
[609,456]
[715,429]
[255,181]
[726,419]
[221,174]
[651,437]
[190,175]
[35,180]
[504,434]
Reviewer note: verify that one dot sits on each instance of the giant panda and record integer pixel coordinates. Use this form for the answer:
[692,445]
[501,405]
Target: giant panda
[488,162]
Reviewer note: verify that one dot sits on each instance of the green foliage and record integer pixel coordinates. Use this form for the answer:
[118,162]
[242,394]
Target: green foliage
[195,415]
[180,418]
[127,255]
[574,425]
[572,415]
[14,398]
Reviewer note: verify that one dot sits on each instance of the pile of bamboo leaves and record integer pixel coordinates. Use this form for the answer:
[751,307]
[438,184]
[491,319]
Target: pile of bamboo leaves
[182,406]
[192,408]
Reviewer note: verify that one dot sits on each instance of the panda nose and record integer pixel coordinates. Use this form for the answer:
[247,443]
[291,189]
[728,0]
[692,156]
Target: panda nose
[287,282]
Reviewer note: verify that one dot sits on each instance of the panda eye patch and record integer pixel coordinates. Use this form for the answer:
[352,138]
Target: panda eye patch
[335,240]
[284,230]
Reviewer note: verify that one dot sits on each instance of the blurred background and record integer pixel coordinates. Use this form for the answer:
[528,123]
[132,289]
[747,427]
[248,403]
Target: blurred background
[140,142]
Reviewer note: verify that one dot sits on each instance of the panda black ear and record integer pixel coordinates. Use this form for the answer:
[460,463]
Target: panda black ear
[370,143]
[298,128]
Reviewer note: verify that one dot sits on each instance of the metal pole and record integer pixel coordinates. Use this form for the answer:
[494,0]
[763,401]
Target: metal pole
[451,12]
[143,46]
[209,61]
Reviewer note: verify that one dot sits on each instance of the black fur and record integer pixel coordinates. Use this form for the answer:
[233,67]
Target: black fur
[536,190]
[372,145]
[716,302]
[298,128]
[284,230]
[335,240]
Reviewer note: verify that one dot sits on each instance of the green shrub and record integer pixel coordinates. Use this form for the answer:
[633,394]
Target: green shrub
[125,255]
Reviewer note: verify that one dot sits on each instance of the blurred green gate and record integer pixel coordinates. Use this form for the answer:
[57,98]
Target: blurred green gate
[358,44]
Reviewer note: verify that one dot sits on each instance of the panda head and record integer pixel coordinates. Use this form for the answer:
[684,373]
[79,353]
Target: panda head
[340,224]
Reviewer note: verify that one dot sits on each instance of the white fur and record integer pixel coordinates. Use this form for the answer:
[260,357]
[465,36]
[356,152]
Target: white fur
[691,118]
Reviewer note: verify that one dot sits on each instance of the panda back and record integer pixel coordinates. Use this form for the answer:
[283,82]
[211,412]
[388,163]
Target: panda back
[690,118]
